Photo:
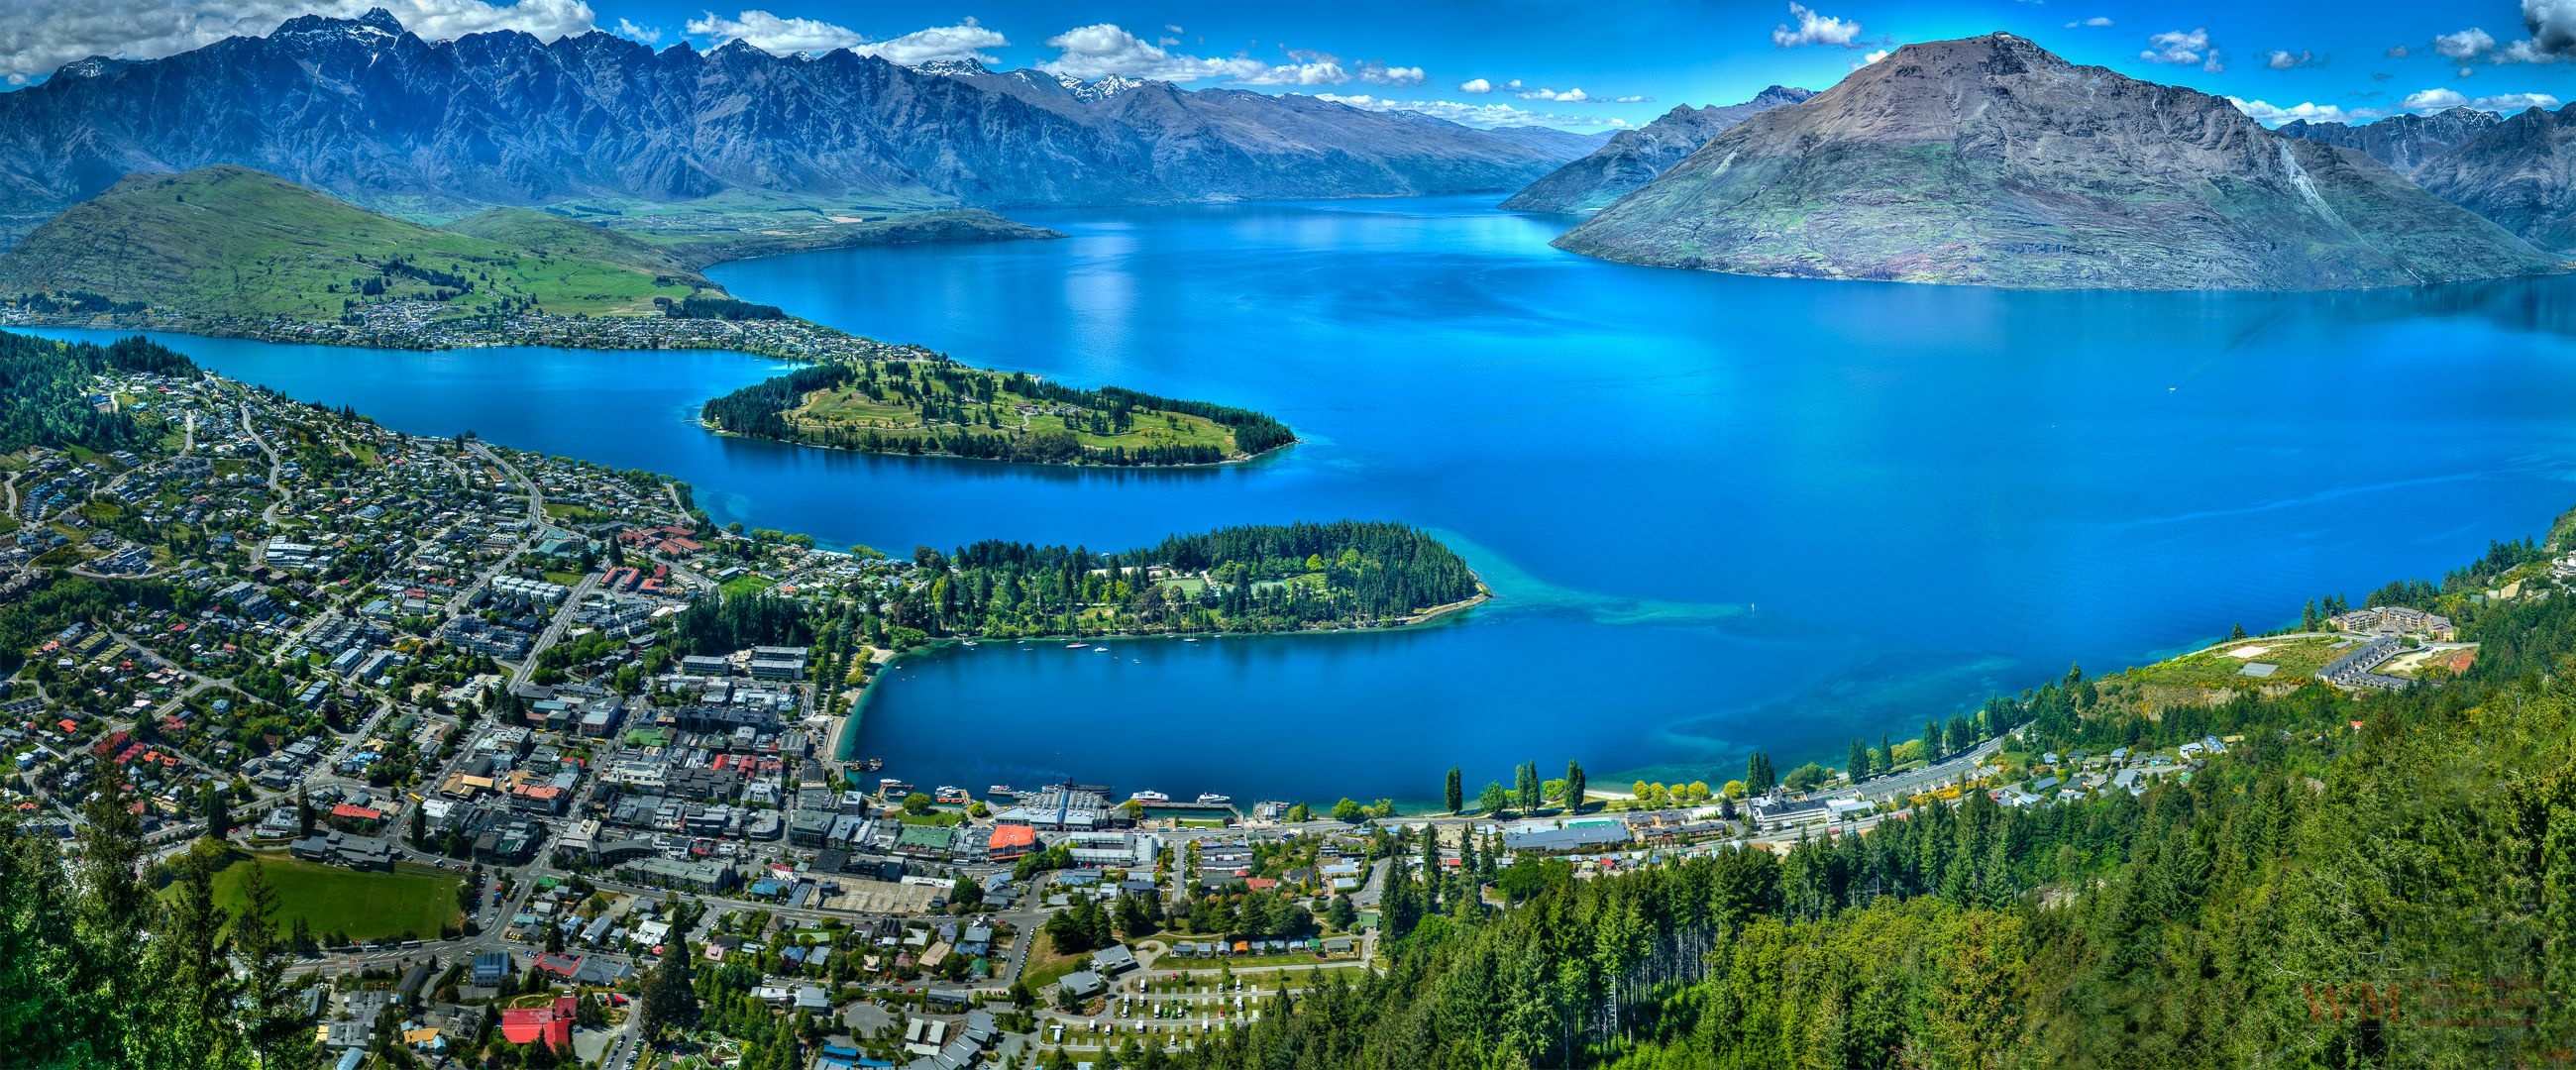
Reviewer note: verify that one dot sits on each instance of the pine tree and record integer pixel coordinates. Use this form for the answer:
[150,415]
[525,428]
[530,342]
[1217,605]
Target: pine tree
[1454,792]
[112,906]
[670,1000]
[1575,790]
[272,1026]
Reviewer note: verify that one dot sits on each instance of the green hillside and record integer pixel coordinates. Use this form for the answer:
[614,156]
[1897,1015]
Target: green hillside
[555,235]
[232,242]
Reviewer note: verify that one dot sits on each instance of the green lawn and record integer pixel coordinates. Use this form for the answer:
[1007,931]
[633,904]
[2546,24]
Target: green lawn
[2297,659]
[741,586]
[364,905]
[1045,966]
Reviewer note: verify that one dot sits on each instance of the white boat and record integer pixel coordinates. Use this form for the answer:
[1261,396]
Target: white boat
[1211,798]
[1150,797]
[1000,789]
[1075,646]
[1099,650]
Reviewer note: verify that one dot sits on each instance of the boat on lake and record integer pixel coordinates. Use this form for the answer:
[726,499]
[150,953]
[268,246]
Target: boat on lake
[1075,646]
[1210,798]
[1149,797]
[870,765]
[1000,789]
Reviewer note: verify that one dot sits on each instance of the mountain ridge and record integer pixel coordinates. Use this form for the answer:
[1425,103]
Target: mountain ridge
[372,113]
[2405,142]
[2521,173]
[1633,158]
[1990,161]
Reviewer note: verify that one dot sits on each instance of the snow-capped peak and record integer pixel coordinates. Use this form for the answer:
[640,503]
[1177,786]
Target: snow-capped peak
[953,68]
[1103,89]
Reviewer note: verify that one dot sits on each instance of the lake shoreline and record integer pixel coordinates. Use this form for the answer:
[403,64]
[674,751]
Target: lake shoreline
[845,746]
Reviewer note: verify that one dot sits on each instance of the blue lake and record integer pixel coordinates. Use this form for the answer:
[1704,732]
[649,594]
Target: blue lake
[1721,513]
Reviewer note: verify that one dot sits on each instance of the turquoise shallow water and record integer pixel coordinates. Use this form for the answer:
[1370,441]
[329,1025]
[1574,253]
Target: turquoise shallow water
[1721,513]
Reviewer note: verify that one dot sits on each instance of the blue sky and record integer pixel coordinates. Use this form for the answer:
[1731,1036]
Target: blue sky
[1505,60]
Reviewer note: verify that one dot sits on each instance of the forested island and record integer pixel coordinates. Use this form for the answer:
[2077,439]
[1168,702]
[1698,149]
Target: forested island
[940,407]
[1262,578]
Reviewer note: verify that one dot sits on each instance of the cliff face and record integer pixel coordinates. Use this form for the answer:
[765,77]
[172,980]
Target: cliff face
[1990,161]
[1633,158]
[366,110]
[2404,142]
[2521,174]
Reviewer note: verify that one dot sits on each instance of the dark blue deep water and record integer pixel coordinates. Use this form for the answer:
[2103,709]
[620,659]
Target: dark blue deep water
[1721,513]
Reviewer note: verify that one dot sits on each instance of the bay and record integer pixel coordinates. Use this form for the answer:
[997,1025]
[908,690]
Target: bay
[1720,513]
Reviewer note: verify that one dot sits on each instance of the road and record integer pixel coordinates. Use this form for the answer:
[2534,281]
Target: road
[276,473]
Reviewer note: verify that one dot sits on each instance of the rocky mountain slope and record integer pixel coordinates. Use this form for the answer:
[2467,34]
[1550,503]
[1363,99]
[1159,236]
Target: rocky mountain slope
[2404,142]
[2521,174]
[1990,161]
[371,112]
[1634,157]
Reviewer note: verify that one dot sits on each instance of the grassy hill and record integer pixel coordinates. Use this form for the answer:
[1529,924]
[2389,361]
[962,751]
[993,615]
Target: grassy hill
[229,241]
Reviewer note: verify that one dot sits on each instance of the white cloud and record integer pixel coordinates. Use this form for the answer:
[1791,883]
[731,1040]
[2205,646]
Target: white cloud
[2464,44]
[1575,95]
[1478,115]
[2446,99]
[626,28]
[773,33]
[2397,52]
[2183,48]
[1302,68]
[1378,73]
[2097,20]
[1814,29]
[2468,72]
[2269,115]
[1103,49]
[2525,52]
[1874,57]
[966,40]
[1475,85]
[1632,99]
[2281,60]
[37,36]
[784,36]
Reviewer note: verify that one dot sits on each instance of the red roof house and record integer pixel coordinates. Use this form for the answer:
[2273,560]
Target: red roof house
[551,1023]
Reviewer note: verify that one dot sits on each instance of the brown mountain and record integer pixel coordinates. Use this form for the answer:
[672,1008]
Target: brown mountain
[1990,161]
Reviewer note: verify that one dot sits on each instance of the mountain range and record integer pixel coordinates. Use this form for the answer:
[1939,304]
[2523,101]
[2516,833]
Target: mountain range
[1991,161]
[2405,142]
[2520,172]
[368,111]
[1632,158]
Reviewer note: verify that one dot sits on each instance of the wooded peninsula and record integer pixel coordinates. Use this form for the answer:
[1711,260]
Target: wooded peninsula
[940,407]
